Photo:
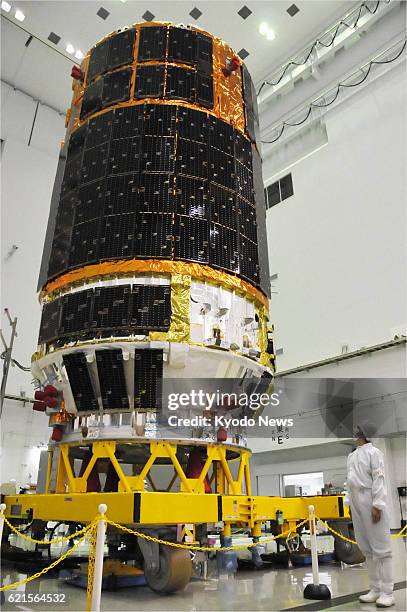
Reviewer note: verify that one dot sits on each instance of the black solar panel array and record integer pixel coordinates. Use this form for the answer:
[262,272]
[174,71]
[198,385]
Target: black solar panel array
[151,307]
[149,81]
[166,44]
[76,310]
[174,44]
[192,239]
[79,379]
[111,53]
[51,314]
[111,308]
[224,251]
[110,89]
[178,83]
[148,374]
[153,43]
[251,108]
[181,84]
[156,181]
[157,43]
[263,254]
[106,311]
[111,379]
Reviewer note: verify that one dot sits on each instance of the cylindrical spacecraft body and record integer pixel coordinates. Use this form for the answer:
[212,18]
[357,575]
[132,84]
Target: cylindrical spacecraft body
[155,264]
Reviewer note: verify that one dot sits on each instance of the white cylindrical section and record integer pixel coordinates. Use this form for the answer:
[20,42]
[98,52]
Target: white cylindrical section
[314,551]
[98,571]
[2,508]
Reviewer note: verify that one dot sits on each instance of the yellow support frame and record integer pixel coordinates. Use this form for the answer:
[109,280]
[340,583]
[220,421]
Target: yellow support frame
[231,501]
[216,458]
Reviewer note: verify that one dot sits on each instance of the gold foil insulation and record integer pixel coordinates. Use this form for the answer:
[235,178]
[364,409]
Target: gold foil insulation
[227,88]
[128,267]
[180,316]
[265,358]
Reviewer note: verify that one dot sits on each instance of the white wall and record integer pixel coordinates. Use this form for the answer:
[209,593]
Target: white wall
[385,363]
[339,244]
[331,460]
[268,468]
[28,174]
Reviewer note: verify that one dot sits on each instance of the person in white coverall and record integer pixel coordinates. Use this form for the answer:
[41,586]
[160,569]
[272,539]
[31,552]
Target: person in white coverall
[367,500]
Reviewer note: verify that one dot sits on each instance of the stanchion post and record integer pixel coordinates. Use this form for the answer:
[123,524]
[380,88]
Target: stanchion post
[315,590]
[2,508]
[99,551]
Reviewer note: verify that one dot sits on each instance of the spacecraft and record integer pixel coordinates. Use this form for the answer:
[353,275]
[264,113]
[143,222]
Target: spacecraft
[155,274]
[155,264]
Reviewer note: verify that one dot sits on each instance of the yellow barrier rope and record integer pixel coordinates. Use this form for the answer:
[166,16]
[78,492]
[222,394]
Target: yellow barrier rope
[56,541]
[91,530]
[201,548]
[340,535]
[88,530]
[401,533]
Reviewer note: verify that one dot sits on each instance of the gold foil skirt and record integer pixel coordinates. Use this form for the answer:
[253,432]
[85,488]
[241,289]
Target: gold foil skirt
[128,267]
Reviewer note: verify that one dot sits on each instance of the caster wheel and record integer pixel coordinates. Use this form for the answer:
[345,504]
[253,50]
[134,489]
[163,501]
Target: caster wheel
[345,551]
[174,573]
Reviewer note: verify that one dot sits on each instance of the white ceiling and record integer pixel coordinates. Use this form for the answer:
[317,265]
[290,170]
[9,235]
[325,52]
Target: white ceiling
[42,70]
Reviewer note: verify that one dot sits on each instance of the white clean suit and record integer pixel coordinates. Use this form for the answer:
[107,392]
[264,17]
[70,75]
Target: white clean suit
[366,488]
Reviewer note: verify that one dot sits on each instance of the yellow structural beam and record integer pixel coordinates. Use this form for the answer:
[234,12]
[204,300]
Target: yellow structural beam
[231,502]
[162,508]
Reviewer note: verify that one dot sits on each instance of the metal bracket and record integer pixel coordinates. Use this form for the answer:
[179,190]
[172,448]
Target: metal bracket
[151,553]
[6,355]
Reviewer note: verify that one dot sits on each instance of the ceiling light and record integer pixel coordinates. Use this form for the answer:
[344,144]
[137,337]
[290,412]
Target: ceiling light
[266,31]
[69,48]
[19,15]
[79,54]
[6,6]
[263,28]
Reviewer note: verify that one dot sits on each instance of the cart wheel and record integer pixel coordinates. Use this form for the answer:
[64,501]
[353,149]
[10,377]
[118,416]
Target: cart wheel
[345,551]
[174,573]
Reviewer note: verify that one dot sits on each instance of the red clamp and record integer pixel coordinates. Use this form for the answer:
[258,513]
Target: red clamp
[48,398]
[39,406]
[76,73]
[231,65]
[222,434]
[56,434]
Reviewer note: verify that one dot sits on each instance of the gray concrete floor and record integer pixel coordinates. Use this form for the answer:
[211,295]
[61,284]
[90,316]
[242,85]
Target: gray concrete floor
[270,590]
[400,597]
